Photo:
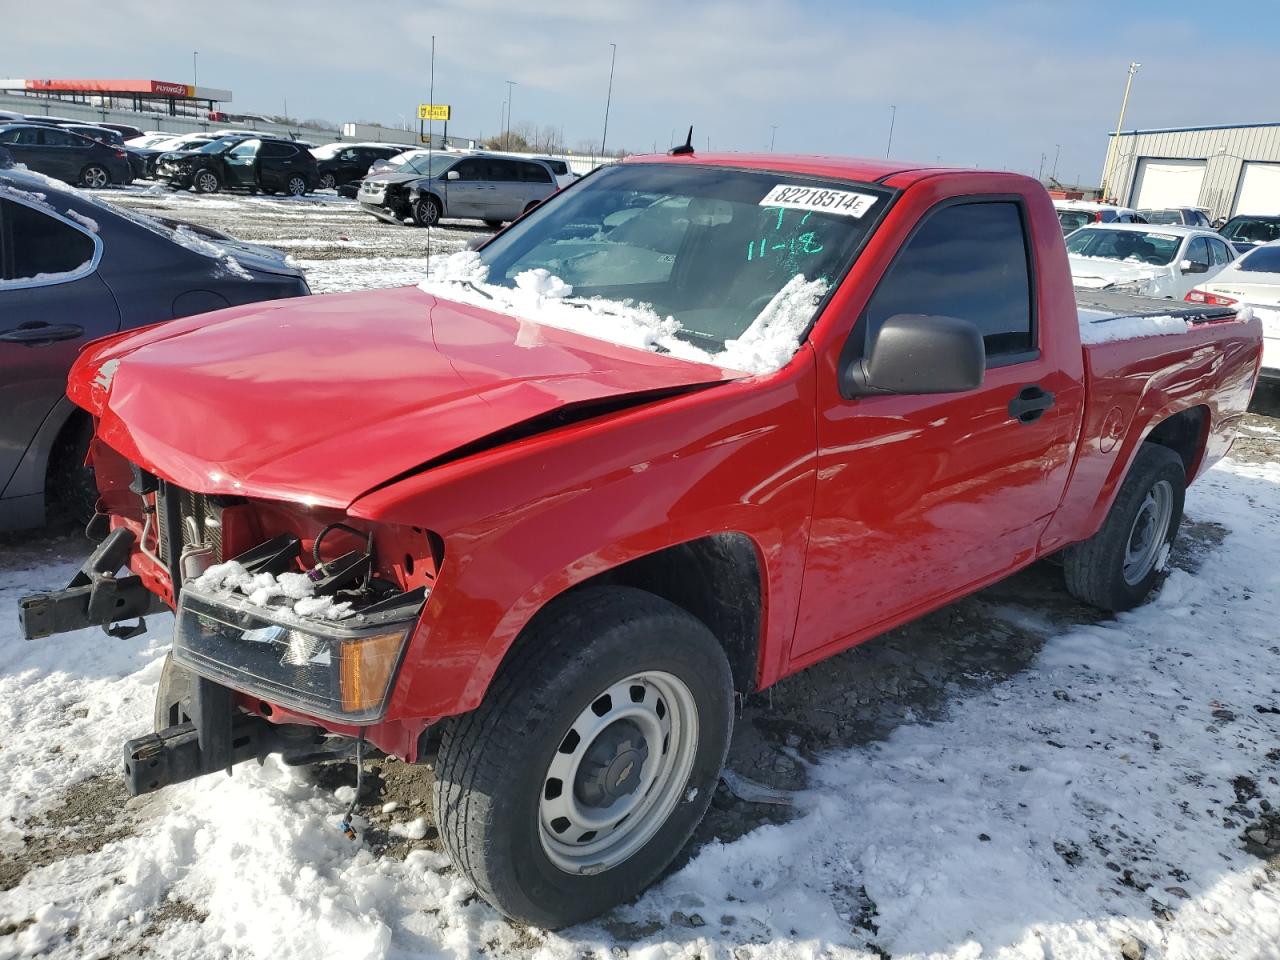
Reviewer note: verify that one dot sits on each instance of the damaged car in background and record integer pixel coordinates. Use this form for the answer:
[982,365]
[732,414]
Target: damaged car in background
[1165,261]
[72,269]
[685,429]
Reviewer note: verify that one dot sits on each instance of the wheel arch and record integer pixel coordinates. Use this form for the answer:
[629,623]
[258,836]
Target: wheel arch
[716,578]
[32,474]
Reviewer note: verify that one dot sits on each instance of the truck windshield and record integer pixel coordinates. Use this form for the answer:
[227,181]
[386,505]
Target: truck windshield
[712,262]
[1134,246]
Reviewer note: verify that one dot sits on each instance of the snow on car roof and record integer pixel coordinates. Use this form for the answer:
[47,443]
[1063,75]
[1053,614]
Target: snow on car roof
[1086,205]
[1178,229]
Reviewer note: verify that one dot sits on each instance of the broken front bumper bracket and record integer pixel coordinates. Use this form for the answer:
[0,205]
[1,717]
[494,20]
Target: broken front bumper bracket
[94,597]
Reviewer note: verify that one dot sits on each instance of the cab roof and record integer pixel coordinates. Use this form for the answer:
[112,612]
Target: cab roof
[859,169]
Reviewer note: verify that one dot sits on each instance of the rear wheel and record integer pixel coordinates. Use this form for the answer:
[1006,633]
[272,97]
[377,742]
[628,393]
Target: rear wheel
[206,181]
[296,186]
[94,176]
[1117,568]
[327,181]
[426,211]
[592,759]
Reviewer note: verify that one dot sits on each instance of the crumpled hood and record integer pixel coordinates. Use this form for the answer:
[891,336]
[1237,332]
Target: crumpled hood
[1095,273]
[321,399]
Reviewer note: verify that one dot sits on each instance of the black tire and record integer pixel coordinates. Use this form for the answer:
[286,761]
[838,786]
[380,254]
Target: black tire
[70,488]
[327,181]
[493,224]
[529,206]
[296,186]
[426,211]
[494,763]
[95,176]
[1095,569]
[206,181]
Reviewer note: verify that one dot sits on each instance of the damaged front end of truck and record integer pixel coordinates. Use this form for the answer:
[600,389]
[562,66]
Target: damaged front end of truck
[288,632]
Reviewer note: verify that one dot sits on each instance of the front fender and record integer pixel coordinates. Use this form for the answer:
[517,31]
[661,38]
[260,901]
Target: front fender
[523,523]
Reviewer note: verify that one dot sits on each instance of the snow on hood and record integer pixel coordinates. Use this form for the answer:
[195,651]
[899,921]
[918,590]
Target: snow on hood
[1097,273]
[540,298]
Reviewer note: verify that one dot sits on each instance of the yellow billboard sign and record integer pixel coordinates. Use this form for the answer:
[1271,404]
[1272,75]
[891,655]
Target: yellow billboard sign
[433,111]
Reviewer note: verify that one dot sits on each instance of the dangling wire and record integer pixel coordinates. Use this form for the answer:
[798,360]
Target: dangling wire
[345,825]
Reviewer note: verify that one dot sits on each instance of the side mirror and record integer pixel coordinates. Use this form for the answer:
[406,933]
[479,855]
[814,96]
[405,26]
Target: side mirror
[453,175]
[1192,266]
[915,353]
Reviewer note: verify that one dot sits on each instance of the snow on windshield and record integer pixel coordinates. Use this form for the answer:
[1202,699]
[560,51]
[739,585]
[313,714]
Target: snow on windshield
[540,297]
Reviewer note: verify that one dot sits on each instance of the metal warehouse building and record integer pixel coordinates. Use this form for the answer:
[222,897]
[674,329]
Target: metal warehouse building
[1226,170]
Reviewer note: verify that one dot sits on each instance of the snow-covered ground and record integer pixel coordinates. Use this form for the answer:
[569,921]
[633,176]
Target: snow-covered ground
[1100,795]
[1012,777]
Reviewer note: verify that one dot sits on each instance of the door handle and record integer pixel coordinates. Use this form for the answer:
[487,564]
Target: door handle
[37,334]
[1030,404]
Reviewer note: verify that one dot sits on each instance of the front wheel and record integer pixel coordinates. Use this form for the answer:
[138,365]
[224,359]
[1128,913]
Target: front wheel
[426,212]
[296,186]
[592,759]
[95,177]
[206,181]
[1121,564]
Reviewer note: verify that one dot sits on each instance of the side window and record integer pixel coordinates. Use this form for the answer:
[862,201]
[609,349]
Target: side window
[1198,251]
[471,169]
[1221,255]
[60,138]
[247,149]
[33,243]
[10,136]
[967,260]
[274,150]
[504,171]
[534,173]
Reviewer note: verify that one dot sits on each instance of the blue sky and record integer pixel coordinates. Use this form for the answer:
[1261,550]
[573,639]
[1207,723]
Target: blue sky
[992,84]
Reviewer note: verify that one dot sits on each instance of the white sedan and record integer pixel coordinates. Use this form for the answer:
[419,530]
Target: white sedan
[1252,281]
[1164,261]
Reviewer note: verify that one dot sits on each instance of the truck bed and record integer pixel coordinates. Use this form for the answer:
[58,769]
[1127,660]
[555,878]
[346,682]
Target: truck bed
[1106,315]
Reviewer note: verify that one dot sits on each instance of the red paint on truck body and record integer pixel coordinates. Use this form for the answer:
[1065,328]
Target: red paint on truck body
[403,412]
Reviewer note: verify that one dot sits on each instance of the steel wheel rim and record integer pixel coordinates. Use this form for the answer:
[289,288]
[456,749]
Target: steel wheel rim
[208,183]
[96,177]
[619,772]
[297,187]
[1148,534]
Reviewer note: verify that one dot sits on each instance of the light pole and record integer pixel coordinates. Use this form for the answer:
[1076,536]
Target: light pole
[1043,158]
[773,135]
[1115,141]
[511,86]
[502,120]
[608,97]
[1057,150]
[892,119]
[195,68]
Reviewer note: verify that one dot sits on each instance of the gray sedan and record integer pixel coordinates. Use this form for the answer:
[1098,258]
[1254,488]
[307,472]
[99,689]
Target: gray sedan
[72,269]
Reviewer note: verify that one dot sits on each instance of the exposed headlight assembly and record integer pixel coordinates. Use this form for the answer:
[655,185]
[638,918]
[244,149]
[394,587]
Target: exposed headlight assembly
[335,670]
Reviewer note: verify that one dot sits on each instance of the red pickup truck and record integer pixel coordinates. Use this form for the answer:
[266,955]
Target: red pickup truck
[692,425]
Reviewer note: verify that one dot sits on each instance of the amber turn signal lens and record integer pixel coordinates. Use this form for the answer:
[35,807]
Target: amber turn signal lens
[367,664]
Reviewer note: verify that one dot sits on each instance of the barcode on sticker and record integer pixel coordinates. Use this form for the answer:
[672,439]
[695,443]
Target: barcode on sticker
[844,203]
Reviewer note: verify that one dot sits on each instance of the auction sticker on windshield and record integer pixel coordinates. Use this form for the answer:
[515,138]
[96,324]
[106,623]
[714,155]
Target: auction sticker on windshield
[842,202]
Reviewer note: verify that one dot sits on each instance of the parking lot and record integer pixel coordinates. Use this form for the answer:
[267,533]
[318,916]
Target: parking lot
[1014,775]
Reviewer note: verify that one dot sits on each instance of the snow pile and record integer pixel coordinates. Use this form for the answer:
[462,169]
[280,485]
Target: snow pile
[292,591]
[1129,328]
[540,297]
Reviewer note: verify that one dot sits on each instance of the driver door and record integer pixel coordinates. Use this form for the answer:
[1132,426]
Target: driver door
[926,497]
[242,165]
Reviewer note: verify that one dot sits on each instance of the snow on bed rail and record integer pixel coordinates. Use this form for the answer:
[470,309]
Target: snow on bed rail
[1129,328]
[541,298]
